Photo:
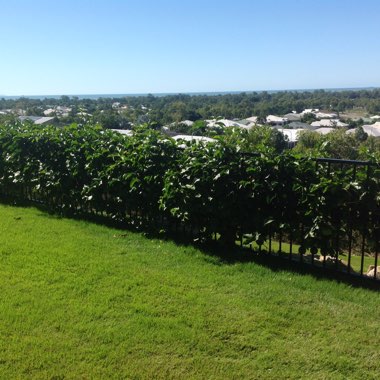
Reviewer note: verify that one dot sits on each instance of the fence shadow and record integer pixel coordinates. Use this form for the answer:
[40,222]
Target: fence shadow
[276,263]
[224,255]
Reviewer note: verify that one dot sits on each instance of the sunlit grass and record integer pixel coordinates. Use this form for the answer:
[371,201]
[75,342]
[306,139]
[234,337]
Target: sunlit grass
[84,301]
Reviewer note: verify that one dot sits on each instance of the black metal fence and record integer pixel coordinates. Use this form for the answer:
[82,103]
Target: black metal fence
[353,253]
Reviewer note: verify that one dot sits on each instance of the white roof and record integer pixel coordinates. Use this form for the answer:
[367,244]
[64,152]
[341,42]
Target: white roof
[375,117]
[49,111]
[193,138]
[293,116]
[276,119]
[310,110]
[370,130]
[63,109]
[43,120]
[189,123]
[291,134]
[252,119]
[226,123]
[322,115]
[126,132]
[328,123]
[324,130]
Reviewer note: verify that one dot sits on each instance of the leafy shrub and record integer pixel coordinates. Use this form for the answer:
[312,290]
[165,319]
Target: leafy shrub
[211,188]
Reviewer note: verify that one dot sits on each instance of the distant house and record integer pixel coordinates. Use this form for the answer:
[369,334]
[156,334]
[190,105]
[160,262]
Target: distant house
[324,130]
[189,123]
[194,138]
[63,111]
[323,115]
[225,122]
[310,110]
[253,119]
[49,111]
[38,120]
[250,122]
[292,135]
[276,120]
[329,123]
[83,114]
[370,130]
[173,128]
[44,120]
[126,132]
[293,116]
[299,125]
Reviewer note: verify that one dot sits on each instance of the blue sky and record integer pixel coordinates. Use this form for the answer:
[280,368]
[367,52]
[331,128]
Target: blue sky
[128,46]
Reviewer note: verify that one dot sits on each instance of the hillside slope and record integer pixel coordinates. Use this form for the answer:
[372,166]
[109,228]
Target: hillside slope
[79,300]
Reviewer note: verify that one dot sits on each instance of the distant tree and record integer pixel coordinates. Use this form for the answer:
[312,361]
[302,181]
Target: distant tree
[308,142]
[336,144]
[308,118]
[64,100]
[199,128]
[339,144]
[360,135]
[370,149]
[111,120]
[258,139]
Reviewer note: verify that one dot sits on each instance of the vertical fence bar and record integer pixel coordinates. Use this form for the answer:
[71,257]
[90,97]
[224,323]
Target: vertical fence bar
[350,237]
[302,247]
[270,241]
[362,253]
[337,250]
[365,226]
[376,258]
[349,249]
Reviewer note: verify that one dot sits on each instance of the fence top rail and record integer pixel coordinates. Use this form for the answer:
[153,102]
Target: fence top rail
[350,162]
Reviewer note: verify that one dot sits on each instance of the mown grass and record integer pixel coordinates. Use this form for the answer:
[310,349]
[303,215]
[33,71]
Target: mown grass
[84,301]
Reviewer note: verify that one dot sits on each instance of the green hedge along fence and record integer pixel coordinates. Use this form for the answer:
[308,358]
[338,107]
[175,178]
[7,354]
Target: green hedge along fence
[208,190]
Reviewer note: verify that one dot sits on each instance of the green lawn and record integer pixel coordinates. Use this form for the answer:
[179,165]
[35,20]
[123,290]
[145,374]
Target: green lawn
[83,301]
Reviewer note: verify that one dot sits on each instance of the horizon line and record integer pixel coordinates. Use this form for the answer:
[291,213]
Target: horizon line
[131,94]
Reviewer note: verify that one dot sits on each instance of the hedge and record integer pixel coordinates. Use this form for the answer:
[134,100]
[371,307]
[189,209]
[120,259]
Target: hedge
[212,189]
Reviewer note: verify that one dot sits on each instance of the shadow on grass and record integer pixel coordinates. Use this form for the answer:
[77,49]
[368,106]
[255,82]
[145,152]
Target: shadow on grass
[224,255]
[282,263]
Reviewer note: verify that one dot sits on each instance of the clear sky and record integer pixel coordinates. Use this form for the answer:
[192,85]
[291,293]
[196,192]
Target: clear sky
[149,46]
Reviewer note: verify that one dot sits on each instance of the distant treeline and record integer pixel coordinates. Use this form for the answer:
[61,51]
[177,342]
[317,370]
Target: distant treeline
[174,108]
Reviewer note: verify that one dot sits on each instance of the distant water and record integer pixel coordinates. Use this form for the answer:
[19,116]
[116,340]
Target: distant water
[117,96]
